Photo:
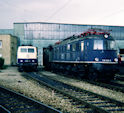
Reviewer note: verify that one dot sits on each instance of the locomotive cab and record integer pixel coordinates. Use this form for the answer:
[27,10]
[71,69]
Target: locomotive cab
[107,51]
[99,49]
[100,52]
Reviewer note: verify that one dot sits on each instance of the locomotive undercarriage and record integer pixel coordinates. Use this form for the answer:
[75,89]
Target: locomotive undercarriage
[27,67]
[87,70]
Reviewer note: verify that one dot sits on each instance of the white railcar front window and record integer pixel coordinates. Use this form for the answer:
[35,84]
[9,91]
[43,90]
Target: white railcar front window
[23,50]
[30,50]
[98,45]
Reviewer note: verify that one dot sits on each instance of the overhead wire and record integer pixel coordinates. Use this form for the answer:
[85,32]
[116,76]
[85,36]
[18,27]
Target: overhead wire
[58,10]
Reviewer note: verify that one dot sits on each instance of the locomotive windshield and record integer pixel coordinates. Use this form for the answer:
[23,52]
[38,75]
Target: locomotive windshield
[98,45]
[104,45]
[109,45]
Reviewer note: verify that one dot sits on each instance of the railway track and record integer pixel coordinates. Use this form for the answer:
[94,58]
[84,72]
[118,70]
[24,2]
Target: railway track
[12,102]
[82,98]
[117,84]
[113,85]
[119,77]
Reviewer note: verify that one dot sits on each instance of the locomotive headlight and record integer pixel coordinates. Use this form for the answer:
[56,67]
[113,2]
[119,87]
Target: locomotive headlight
[115,59]
[96,59]
[106,36]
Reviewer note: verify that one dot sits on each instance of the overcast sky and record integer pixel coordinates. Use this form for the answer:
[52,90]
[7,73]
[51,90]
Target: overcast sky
[98,12]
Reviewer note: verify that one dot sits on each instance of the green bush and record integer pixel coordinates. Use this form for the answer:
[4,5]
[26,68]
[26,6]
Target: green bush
[1,62]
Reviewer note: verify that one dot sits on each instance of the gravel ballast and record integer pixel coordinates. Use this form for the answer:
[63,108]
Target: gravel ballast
[12,79]
[87,86]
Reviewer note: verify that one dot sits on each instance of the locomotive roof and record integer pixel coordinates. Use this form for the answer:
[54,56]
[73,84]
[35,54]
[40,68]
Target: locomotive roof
[79,38]
[90,34]
[26,47]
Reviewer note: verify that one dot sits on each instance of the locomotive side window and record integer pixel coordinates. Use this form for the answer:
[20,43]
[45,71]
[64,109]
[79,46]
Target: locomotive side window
[98,45]
[73,47]
[67,56]
[82,46]
[57,52]
[23,50]
[77,47]
[30,50]
[64,48]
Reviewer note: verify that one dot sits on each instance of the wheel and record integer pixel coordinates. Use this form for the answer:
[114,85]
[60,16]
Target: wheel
[20,69]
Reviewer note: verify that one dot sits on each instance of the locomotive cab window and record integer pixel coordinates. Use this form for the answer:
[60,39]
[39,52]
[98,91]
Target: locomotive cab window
[98,45]
[109,45]
[30,50]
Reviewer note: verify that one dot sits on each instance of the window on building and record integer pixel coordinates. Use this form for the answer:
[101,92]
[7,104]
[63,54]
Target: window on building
[0,55]
[0,43]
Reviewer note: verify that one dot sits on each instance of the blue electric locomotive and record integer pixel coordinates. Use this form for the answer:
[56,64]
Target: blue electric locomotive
[91,54]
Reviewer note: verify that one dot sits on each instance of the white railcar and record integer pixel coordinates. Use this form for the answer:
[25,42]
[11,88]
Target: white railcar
[27,58]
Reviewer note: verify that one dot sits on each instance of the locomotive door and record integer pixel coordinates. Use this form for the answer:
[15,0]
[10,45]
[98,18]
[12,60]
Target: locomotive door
[82,51]
[86,51]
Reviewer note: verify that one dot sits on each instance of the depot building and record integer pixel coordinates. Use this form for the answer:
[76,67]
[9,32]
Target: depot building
[42,34]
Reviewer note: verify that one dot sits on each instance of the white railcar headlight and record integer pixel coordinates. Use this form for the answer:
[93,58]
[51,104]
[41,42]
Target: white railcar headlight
[33,60]
[96,59]
[21,60]
[115,59]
